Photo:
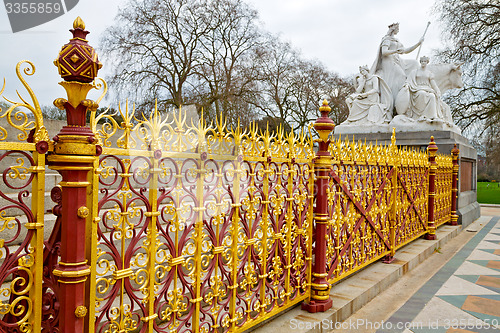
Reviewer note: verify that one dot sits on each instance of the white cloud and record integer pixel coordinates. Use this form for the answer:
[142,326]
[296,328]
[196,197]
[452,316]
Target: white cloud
[345,34]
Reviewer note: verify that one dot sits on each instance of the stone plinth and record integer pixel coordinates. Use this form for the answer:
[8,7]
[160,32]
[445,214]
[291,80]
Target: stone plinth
[468,207]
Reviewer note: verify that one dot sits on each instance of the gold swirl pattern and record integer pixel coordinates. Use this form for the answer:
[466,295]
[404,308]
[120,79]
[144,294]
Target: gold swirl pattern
[377,202]
[17,118]
[443,195]
[216,220]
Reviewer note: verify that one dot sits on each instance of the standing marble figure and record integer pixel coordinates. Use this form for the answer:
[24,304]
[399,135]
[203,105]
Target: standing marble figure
[389,65]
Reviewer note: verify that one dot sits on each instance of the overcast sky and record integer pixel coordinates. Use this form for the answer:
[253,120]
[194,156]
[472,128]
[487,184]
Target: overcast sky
[341,34]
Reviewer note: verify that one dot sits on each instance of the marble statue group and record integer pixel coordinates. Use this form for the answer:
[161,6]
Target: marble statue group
[402,93]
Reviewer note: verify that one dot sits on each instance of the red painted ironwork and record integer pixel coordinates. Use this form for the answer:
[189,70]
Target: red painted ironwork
[230,243]
[17,260]
[320,287]
[377,203]
[454,187]
[359,219]
[443,193]
[196,228]
[77,60]
[52,247]
[431,149]
[411,203]
[74,153]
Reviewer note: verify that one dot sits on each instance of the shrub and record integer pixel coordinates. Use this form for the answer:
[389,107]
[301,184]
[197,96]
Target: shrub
[483,177]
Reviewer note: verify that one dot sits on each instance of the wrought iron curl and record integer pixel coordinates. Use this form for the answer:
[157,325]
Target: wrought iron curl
[13,115]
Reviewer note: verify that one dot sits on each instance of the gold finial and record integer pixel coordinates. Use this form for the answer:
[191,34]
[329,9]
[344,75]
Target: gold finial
[325,106]
[78,23]
[393,137]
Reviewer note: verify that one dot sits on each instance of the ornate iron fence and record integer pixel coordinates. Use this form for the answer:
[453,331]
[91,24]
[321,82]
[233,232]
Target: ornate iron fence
[444,186]
[23,144]
[200,228]
[359,200]
[168,223]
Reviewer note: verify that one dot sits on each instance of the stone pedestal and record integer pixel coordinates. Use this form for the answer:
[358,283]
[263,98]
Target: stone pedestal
[468,207]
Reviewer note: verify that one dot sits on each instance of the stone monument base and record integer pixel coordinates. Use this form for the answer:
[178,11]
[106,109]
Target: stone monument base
[468,207]
[400,123]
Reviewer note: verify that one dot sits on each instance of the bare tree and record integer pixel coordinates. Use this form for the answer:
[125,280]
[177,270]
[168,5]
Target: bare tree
[185,51]
[310,87]
[473,30]
[277,65]
[487,146]
[213,54]
[227,53]
[315,83]
[292,88]
[154,48]
[338,88]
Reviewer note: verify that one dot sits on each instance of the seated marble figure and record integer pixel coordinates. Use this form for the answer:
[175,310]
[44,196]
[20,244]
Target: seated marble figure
[420,97]
[371,102]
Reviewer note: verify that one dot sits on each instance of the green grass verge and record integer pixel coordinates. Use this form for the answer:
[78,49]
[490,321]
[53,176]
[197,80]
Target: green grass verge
[488,192]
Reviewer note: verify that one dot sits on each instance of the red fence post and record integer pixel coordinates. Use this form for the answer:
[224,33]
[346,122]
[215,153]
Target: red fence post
[320,288]
[454,186]
[74,153]
[431,150]
[394,188]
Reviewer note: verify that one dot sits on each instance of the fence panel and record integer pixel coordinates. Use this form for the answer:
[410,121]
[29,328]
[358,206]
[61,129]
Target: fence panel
[198,228]
[201,229]
[23,144]
[359,199]
[411,196]
[444,178]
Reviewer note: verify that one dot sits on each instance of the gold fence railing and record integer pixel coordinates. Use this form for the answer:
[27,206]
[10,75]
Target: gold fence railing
[378,199]
[23,145]
[200,228]
[444,180]
[197,227]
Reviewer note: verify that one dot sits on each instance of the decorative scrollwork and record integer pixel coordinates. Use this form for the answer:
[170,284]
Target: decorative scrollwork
[216,230]
[18,119]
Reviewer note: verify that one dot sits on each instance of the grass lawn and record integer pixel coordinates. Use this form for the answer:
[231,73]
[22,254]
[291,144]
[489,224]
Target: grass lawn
[488,192]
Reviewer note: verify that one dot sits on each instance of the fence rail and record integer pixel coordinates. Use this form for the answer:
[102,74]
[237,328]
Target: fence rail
[170,224]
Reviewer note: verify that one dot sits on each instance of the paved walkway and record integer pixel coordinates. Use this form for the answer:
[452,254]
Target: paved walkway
[462,296]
